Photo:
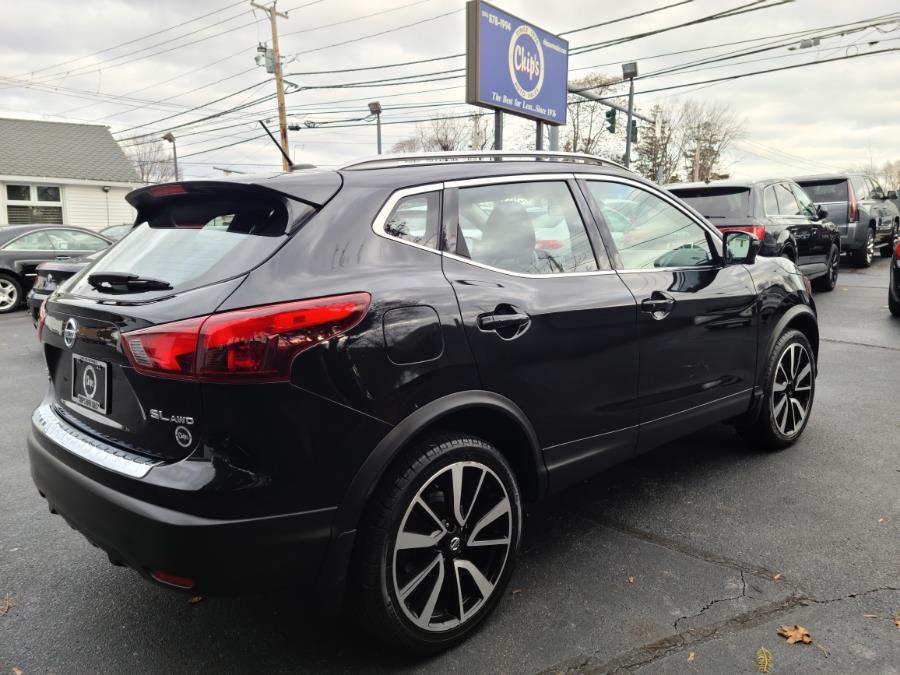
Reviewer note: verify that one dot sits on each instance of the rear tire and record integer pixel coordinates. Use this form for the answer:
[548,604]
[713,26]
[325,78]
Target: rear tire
[893,305]
[828,281]
[789,390]
[10,294]
[862,257]
[438,543]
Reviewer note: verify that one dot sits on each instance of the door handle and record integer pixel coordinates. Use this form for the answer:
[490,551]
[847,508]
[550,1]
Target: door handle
[63,257]
[501,321]
[658,303]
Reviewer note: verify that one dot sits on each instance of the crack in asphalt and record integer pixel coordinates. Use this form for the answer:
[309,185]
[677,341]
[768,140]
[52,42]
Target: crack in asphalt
[645,655]
[743,594]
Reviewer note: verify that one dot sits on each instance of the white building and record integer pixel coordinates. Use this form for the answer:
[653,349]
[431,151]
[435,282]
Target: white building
[62,173]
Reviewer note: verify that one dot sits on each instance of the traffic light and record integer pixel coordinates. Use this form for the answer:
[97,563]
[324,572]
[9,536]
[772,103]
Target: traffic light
[611,120]
[634,131]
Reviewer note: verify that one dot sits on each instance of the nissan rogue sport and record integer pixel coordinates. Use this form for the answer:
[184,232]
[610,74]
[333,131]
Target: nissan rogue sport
[352,379]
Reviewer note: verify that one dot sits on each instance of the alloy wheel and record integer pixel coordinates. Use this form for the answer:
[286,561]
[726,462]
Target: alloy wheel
[452,546]
[792,390]
[870,247]
[835,266]
[9,295]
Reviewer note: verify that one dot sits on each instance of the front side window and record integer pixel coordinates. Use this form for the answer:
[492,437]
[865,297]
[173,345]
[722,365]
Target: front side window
[36,241]
[648,231]
[73,240]
[416,219]
[527,228]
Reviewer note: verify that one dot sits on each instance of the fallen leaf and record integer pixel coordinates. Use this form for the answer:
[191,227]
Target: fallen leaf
[691,657]
[7,604]
[822,647]
[881,520]
[631,580]
[870,616]
[776,577]
[763,660]
[897,621]
[794,634]
[195,599]
[17,671]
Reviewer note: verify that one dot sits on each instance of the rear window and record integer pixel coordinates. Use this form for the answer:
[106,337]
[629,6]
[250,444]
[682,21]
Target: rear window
[826,191]
[718,202]
[191,241]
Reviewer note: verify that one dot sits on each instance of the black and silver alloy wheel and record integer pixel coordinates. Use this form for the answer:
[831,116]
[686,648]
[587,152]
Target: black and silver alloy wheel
[828,281]
[862,257]
[792,390]
[439,543]
[452,546]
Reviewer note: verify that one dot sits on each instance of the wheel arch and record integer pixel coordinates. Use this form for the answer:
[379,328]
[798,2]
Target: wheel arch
[485,414]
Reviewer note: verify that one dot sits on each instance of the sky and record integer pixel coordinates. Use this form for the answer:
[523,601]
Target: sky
[148,67]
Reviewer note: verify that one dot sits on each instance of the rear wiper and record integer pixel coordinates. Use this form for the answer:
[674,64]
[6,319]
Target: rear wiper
[122,282]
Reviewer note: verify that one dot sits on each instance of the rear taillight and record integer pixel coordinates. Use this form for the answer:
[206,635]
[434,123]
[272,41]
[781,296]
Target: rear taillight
[852,206]
[758,231]
[42,318]
[897,250]
[256,344]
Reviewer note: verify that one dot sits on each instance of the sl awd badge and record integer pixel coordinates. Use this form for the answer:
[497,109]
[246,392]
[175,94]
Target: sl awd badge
[183,436]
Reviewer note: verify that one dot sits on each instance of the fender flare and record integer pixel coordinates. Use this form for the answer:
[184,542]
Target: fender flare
[369,474]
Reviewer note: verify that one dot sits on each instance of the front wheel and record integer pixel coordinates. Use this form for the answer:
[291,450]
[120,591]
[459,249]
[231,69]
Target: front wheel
[439,543]
[10,294]
[790,385]
[827,282]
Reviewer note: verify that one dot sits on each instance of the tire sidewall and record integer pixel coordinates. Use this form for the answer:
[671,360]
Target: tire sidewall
[464,449]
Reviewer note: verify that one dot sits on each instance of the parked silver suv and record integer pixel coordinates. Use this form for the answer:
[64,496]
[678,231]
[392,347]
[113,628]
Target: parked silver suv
[863,212]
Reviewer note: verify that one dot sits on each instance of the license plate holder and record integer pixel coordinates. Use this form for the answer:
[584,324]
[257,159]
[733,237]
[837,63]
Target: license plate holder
[90,383]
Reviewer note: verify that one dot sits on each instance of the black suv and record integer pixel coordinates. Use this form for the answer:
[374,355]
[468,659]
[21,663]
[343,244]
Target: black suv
[353,378]
[780,214]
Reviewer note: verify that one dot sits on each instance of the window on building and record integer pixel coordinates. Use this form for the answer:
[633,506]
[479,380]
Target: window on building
[33,204]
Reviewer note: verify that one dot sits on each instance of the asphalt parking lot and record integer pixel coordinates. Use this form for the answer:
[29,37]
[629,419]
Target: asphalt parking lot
[687,559]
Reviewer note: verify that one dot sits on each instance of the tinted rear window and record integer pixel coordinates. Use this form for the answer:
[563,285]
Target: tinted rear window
[826,191]
[718,202]
[190,241]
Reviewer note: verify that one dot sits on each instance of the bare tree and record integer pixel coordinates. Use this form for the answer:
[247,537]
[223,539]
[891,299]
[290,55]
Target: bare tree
[708,130]
[446,133]
[152,159]
[585,129]
[660,148]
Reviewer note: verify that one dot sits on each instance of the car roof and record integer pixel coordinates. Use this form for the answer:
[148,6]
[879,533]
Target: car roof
[8,232]
[827,176]
[728,183]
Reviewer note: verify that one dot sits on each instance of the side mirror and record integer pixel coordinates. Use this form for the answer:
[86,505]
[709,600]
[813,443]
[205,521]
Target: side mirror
[740,248]
[892,194]
[821,212]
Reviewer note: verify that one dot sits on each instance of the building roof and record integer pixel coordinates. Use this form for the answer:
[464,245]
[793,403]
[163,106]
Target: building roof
[62,150]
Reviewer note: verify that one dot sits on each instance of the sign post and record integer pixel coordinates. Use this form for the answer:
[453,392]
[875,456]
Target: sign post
[514,66]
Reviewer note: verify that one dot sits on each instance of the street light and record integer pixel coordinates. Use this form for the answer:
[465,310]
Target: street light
[169,136]
[375,109]
[629,72]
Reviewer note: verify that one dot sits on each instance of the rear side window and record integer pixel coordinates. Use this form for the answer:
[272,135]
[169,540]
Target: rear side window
[416,219]
[860,187]
[36,241]
[714,203]
[529,228]
[771,202]
[826,191]
[787,203]
[190,241]
[73,240]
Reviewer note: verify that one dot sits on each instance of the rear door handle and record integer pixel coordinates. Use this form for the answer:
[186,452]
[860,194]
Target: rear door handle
[658,303]
[501,321]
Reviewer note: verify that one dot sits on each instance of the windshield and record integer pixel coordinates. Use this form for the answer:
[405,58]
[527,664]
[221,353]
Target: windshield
[718,202]
[190,241]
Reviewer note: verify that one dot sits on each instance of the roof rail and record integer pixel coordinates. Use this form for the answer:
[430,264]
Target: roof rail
[405,159]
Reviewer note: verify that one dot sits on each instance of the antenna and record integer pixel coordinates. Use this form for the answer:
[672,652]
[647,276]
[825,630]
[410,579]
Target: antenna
[287,157]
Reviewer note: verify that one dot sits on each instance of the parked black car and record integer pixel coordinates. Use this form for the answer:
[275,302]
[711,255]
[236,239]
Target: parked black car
[49,276]
[864,214]
[894,281]
[780,214]
[24,247]
[352,379]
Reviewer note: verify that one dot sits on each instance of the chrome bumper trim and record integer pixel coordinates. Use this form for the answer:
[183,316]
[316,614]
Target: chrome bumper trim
[91,449]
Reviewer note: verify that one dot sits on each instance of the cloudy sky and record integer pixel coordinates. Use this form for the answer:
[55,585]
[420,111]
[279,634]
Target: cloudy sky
[145,67]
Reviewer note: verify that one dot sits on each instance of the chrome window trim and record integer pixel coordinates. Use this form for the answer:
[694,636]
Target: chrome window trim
[667,198]
[381,219]
[89,449]
[699,405]
[503,180]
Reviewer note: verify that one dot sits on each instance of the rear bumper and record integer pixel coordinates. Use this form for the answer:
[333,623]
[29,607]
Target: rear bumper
[221,556]
[850,236]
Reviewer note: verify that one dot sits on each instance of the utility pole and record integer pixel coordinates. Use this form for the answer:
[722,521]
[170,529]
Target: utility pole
[375,109]
[169,136]
[629,71]
[279,83]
